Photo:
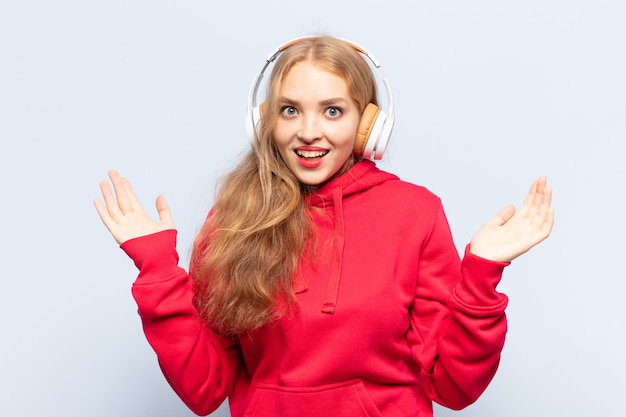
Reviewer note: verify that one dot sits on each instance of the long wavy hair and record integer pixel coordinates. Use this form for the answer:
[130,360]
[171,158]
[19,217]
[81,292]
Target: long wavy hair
[246,255]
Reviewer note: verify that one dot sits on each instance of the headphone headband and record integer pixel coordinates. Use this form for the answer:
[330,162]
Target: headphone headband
[374,147]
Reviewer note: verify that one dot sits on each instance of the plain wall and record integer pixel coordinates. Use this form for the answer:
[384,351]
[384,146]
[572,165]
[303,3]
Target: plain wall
[489,95]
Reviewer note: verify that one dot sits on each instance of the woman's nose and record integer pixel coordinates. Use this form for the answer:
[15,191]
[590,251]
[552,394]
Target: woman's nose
[310,128]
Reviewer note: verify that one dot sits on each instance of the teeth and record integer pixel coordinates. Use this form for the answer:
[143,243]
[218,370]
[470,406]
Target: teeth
[310,154]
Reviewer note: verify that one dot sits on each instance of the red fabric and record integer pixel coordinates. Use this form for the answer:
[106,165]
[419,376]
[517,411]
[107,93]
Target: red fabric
[389,317]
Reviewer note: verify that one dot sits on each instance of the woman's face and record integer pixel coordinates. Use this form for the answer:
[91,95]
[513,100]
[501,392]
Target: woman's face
[317,123]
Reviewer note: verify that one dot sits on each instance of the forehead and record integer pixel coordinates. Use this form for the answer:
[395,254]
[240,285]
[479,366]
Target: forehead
[309,77]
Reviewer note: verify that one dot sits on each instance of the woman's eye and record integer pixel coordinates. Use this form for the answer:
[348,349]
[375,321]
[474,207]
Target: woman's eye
[333,111]
[288,111]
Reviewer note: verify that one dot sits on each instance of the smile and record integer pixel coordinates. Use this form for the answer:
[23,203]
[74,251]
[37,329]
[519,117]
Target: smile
[311,154]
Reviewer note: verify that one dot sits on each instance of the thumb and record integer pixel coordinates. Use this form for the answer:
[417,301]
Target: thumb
[503,216]
[165,216]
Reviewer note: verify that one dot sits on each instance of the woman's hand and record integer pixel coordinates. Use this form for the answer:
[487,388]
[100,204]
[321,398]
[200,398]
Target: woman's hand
[510,234]
[123,215]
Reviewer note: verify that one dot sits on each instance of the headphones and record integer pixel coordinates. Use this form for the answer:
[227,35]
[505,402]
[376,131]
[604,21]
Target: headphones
[374,127]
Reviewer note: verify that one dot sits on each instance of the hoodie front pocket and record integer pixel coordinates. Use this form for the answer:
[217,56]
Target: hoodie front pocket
[348,399]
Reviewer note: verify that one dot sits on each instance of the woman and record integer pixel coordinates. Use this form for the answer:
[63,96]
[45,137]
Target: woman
[320,284]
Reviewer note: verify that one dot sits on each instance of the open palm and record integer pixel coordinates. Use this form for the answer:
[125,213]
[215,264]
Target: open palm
[511,233]
[124,216]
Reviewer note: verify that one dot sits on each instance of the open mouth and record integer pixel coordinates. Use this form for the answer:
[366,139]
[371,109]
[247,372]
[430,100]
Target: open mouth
[311,154]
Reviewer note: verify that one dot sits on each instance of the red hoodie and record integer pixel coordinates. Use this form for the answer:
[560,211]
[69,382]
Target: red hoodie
[389,318]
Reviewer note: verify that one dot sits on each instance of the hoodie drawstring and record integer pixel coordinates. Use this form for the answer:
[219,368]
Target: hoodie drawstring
[332,287]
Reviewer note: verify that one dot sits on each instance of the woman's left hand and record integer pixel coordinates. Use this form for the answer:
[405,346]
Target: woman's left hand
[511,233]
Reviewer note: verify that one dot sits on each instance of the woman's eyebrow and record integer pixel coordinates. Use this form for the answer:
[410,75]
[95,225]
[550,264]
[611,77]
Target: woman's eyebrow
[287,100]
[331,101]
[325,102]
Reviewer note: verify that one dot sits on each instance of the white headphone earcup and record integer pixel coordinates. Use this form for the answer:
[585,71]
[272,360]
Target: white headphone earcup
[372,147]
[383,135]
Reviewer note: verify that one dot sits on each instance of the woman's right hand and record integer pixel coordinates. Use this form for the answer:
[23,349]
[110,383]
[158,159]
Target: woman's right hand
[124,216]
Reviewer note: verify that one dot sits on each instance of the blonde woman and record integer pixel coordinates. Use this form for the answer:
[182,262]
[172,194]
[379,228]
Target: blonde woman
[319,284]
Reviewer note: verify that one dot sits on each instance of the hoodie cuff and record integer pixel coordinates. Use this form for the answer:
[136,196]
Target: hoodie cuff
[155,251]
[477,289]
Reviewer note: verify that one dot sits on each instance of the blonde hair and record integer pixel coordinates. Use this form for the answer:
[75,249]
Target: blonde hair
[248,251]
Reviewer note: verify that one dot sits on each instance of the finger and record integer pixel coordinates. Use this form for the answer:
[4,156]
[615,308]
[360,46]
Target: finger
[109,200]
[544,201]
[165,215]
[104,214]
[546,211]
[546,198]
[541,217]
[132,196]
[541,183]
[540,189]
[534,199]
[549,223]
[535,191]
[528,201]
[123,201]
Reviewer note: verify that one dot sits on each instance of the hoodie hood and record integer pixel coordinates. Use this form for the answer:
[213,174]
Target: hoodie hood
[361,177]
[330,197]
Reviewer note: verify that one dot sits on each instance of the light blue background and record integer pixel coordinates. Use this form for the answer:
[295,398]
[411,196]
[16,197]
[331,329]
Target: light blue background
[489,95]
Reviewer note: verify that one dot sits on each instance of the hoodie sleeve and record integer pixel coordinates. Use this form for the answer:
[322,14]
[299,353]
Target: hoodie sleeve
[199,364]
[458,324]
